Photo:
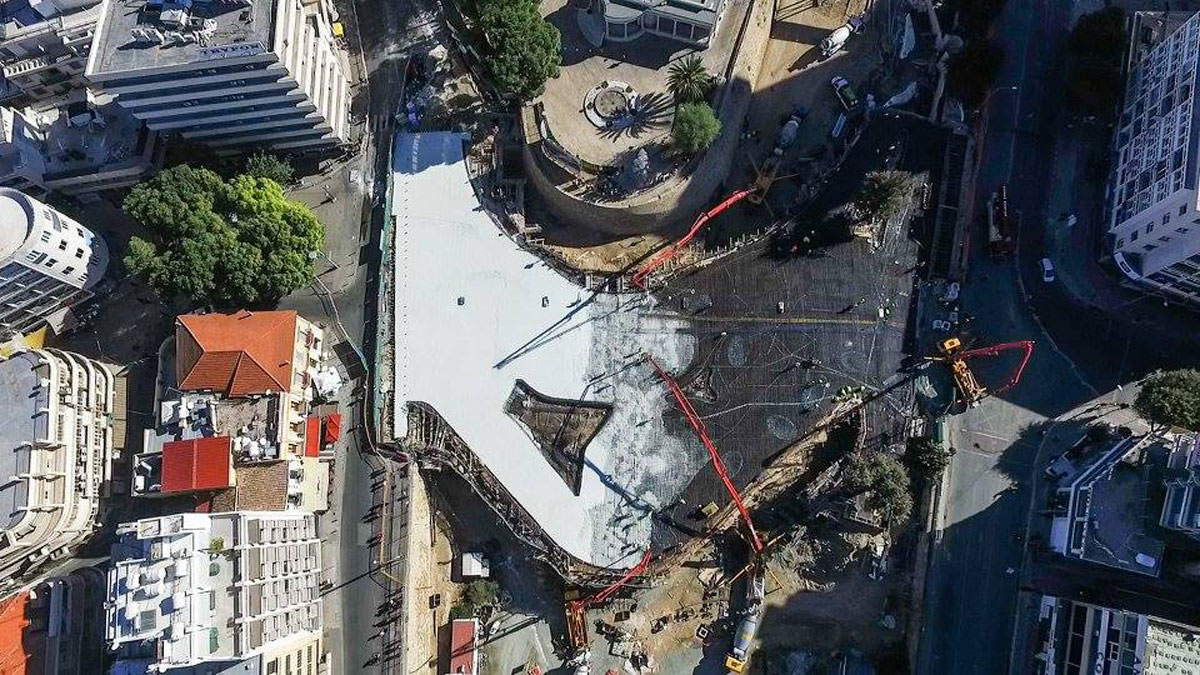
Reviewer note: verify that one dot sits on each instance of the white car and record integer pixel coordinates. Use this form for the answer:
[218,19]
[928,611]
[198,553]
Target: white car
[1047,270]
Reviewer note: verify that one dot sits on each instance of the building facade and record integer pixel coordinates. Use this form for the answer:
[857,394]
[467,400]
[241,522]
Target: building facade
[1154,212]
[195,589]
[76,148]
[1084,639]
[44,47]
[57,455]
[52,629]
[263,73]
[690,21]
[1181,506]
[48,262]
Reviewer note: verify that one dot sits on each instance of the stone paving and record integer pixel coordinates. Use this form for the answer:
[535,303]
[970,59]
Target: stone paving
[642,63]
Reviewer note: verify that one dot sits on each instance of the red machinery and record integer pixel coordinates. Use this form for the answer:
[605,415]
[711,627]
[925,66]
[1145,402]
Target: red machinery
[576,608]
[639,277]
[968,386]
[718,465]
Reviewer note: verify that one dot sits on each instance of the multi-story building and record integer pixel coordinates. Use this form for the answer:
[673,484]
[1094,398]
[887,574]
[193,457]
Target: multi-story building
[1154,205]
[48,263]
[77,148]
[53,628]
[690,21]
[56,453]
[265,73]
[1181,506]
[1082,639]
[44,47]
[197,589]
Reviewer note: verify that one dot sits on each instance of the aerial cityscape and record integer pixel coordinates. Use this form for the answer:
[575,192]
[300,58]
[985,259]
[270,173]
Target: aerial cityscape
[599,337]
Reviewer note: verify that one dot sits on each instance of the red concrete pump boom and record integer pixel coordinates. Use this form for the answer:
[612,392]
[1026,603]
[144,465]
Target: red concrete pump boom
[718,465]
[639,277]
[1025,345]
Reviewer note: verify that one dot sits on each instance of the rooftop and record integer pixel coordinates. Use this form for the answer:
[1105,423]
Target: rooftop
[21,396]
[16,15]
[197,464]
[1171,647]
[238,354]
[141,34]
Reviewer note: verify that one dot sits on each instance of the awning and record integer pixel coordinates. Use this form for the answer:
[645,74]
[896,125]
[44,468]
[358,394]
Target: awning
[312,437]
[333,427]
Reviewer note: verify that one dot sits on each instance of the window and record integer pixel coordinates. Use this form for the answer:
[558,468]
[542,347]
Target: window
[78,253]
[1181,230]
[273,667]
[68,270]
[1120,243]
[46,237]
[1133,236]
[1149,228]
[62,245]
[1166,218]
[1164,239]
[1182,208]
[35,257]
[1149,247]
[51,262]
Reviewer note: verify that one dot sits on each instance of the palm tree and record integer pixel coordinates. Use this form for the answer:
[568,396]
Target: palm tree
[688,80]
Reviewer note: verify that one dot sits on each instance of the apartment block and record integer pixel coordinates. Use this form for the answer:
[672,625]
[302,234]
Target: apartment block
[76,147]
[1181,505]
[44,47]
[201,591]
[57,451]
[1078,638]
[230,74]
[1154,205]
[48,262]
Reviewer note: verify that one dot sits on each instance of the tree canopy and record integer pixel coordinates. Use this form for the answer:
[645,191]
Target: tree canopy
[696,127]
[882,196]
[885,480]
[926,457]
[687,80]
[524,50]
[221,242]
[266,165]
[973,71]
[1171,398]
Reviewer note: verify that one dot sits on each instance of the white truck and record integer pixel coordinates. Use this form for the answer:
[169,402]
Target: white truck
[834,42]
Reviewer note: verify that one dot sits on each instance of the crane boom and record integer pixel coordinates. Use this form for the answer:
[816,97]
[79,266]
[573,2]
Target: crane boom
[1026,346]
[718,465]
[576,609]
[639,277]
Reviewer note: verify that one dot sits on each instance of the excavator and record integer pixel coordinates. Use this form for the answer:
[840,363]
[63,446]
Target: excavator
[970,391]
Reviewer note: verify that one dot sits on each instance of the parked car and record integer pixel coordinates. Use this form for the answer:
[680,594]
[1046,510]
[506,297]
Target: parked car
[1047,270]
[845,93]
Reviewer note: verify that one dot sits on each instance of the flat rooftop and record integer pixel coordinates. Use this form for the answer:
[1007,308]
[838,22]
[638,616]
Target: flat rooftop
[114,138]
[19,425]
[234,25]
[475,313]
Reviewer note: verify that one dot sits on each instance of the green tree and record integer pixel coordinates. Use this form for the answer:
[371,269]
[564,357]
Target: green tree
[1171,398]
[926,457]
[973,71]
[266,165]
[882,196]
[696,127]
[886,482]
[221,242]
[688,81]
[523,50]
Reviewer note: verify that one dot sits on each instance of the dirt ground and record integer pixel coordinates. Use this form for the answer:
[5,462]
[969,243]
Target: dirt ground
[792,74]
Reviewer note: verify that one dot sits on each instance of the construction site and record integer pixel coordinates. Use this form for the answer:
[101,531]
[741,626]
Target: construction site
[660,460]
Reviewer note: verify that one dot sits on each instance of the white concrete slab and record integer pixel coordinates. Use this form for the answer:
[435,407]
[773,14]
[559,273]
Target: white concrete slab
[463,359]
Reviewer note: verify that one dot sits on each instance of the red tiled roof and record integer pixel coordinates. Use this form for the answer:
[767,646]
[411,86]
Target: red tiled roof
[238,354]
[312,437]
[13,653]
[462,646]
[197,464]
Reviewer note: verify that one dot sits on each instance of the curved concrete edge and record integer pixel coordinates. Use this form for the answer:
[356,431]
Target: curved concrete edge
[682,196]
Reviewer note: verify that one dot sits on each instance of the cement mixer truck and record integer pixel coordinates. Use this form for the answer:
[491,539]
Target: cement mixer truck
[747,628]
